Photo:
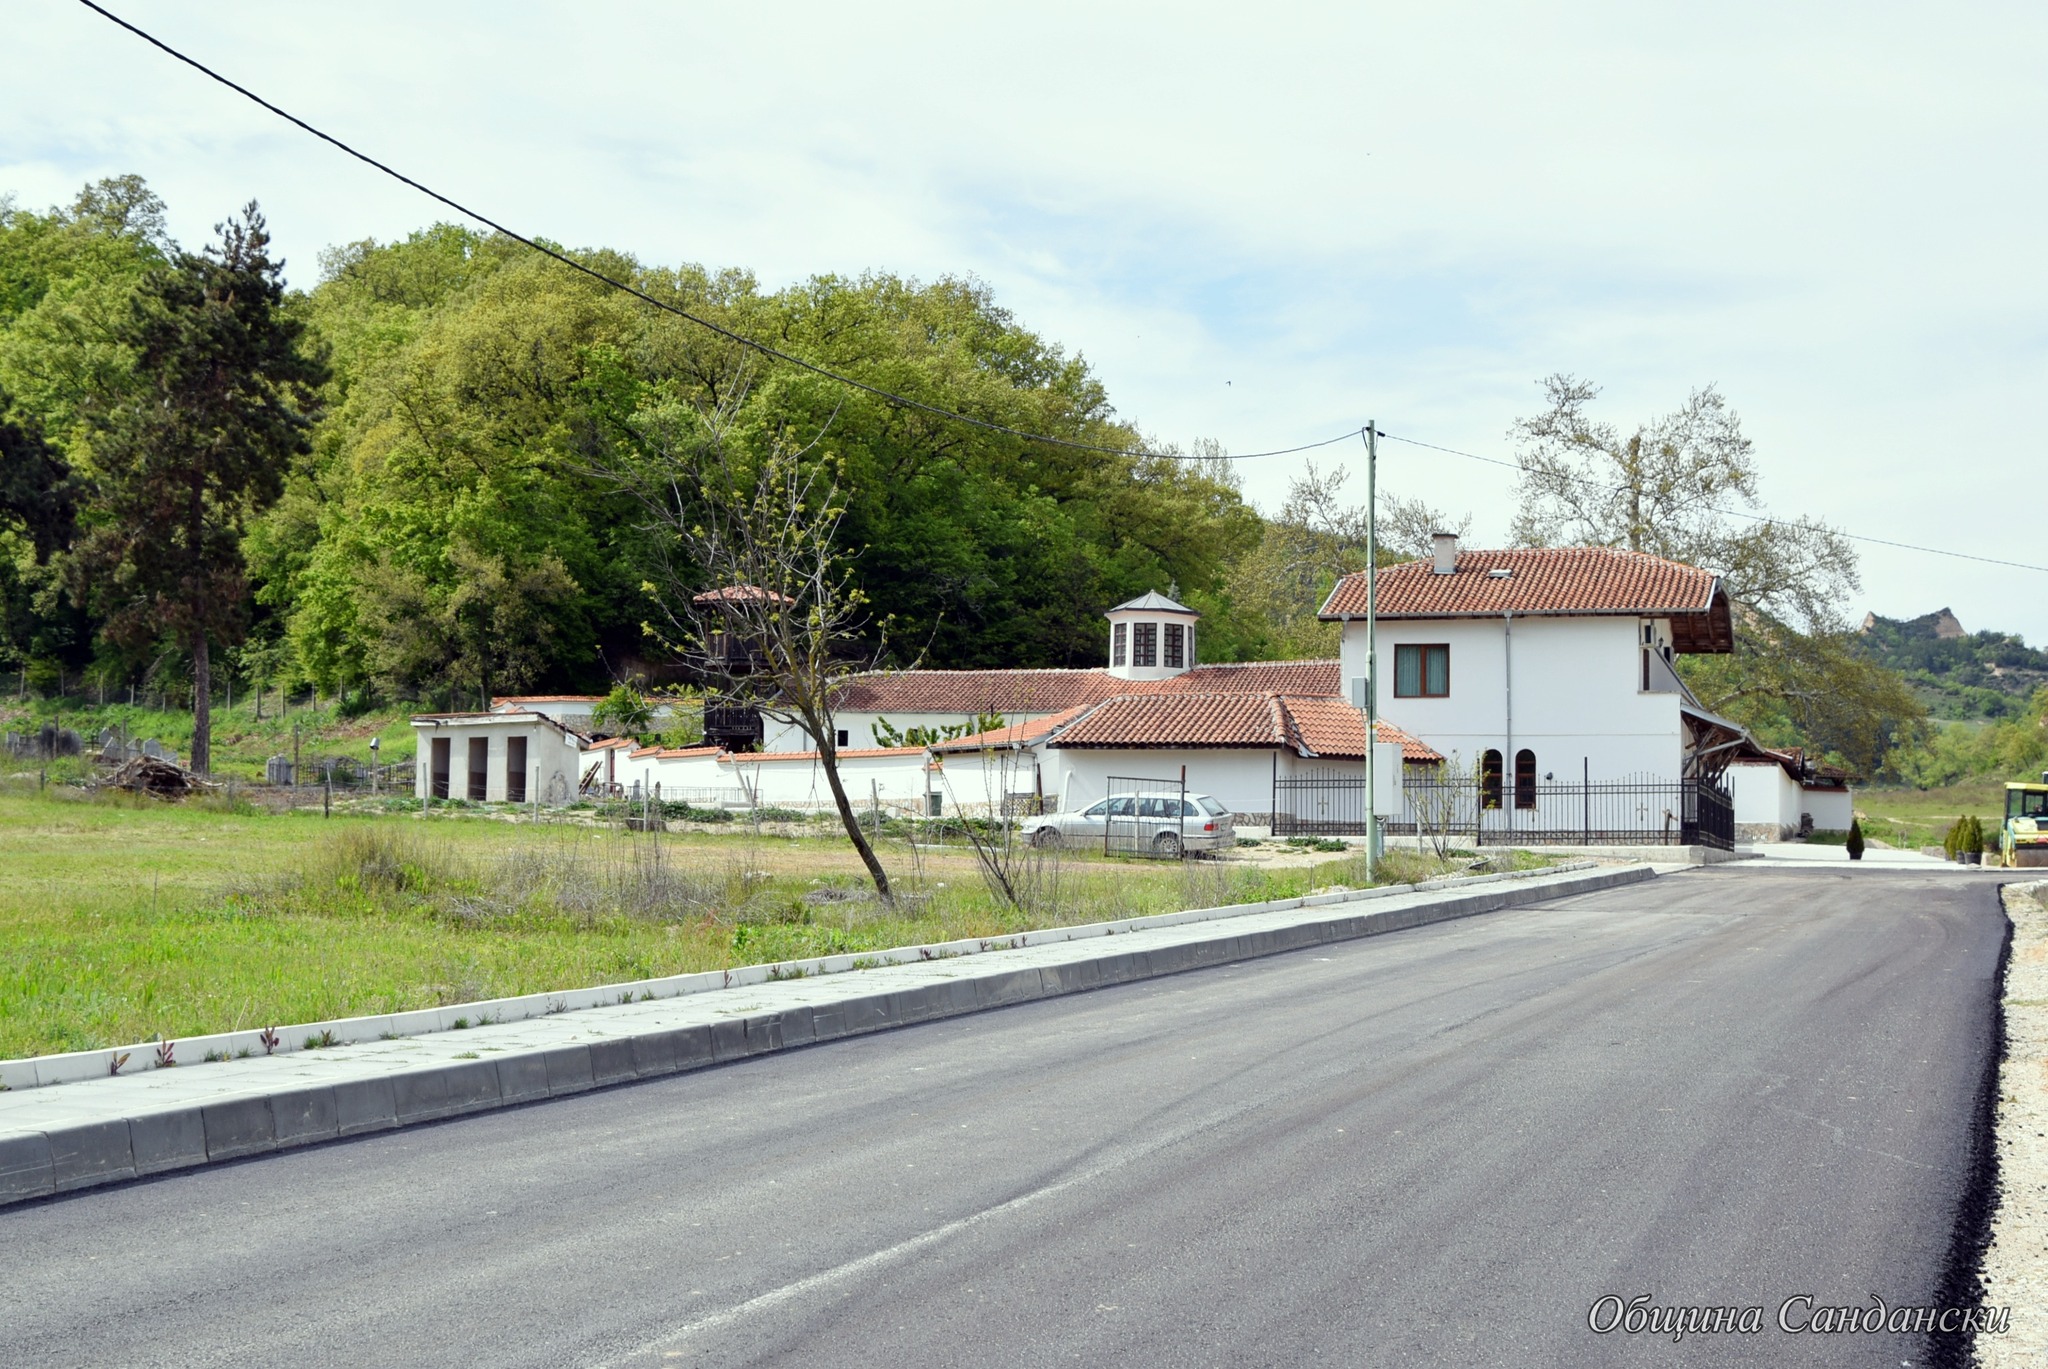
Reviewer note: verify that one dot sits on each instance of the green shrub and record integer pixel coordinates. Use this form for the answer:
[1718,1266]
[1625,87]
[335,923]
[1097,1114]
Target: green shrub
[1855,842]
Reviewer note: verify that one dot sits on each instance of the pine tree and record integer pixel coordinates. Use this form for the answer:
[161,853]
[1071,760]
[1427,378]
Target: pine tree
[222,401]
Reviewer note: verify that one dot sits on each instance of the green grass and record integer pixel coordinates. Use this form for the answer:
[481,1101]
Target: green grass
[1913,818]
[241,741]
[124,919]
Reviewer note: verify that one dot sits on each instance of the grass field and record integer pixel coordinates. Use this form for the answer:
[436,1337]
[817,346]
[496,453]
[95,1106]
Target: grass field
[241,740]
[125,919]
[1914,818]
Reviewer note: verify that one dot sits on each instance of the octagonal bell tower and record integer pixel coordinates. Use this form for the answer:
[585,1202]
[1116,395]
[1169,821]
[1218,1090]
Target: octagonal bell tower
[1151,638]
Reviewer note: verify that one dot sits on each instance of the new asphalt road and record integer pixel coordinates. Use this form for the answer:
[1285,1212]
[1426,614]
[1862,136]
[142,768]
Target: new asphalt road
[1729,1087]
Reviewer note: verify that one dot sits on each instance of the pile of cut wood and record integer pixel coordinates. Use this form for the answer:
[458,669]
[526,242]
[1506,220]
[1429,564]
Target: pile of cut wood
[156,777]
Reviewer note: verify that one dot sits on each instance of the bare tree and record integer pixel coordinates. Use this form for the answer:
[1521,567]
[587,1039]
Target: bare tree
[1316,539]
[751,587]
[1683,486]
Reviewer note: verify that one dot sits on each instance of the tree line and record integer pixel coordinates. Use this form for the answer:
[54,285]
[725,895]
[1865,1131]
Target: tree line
[426,478]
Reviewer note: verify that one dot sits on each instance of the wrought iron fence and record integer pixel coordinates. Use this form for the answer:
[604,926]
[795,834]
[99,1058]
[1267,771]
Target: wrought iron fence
[1146,817]
[1320,803]
[1618,813]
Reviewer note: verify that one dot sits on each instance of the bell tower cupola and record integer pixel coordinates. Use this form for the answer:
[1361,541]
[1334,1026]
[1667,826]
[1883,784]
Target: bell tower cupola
[1151,638]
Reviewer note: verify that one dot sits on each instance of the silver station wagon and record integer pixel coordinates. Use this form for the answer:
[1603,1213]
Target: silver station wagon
[1153,823]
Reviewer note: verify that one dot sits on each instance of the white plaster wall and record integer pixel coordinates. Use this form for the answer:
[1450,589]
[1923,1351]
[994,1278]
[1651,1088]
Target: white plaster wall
[1833,809]
[1241,780]
[975,782]
[1765,796]
[682,779]
[1577,692]
[801,784]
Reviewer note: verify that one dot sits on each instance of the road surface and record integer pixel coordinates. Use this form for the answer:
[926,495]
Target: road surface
[1440,1147]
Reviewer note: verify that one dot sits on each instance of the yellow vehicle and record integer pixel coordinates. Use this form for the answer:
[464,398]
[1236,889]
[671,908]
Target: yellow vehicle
[2023,840]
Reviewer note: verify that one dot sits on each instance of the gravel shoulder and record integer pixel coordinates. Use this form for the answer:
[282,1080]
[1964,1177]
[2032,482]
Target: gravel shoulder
[2016,1264]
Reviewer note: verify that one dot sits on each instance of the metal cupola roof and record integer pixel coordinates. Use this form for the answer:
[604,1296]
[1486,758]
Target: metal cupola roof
[1152,601]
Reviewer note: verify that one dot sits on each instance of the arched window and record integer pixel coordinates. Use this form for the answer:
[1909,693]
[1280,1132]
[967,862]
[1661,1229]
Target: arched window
[1489,780]
[1525,779]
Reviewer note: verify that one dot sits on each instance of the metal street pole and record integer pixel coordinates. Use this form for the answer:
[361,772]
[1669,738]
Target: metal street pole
[1372,653]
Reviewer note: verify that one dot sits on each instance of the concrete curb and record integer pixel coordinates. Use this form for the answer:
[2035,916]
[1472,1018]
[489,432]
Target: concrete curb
[131,1061]
[57,1141]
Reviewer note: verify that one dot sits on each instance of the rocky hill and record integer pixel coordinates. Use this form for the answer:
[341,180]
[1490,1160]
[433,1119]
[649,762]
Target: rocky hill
[1957,673]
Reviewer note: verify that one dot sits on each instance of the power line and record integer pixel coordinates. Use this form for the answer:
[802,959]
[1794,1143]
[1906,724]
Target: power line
[1728,512]
[937,411]
[765,349]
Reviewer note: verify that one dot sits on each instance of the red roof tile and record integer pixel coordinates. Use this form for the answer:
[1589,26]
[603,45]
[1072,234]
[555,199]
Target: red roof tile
[964,693]
[1543,580]
[1309,726]
[1294,678]
[1015,734]
[499,701]
[1561,581]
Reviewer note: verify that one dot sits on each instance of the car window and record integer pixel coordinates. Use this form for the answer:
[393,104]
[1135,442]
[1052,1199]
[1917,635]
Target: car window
[1156,808]
[1097,811]
[1211,807]
[1122,808]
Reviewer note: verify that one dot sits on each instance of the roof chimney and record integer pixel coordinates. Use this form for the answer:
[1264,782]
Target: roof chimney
[1446,552]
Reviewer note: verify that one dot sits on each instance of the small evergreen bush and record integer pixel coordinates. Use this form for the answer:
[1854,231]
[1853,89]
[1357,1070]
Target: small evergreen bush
[1855,842]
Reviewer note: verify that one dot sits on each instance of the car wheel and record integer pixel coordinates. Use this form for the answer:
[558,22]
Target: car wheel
[1045,838]
[1167,844]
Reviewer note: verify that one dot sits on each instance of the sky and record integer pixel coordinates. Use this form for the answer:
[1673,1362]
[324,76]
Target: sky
[1260,224]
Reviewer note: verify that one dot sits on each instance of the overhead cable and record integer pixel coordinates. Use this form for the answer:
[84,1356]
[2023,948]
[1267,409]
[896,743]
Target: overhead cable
[1721,509]
[753,344]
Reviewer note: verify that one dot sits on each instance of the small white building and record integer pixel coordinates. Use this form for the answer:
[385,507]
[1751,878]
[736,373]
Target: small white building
[571,710]
[1781,794]
[513,756]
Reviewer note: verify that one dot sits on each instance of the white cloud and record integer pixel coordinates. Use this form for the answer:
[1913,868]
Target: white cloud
[1409,213]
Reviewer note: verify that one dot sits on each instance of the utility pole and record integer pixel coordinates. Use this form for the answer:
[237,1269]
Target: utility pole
[1372,648]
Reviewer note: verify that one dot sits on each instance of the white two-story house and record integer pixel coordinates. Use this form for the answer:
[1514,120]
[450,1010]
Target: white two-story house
[1545,666]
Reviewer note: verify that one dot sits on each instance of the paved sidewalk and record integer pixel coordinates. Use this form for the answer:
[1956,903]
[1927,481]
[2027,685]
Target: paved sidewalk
[1799,853]
[71,1136]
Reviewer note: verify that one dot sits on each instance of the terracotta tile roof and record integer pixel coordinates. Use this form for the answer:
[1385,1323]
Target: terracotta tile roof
[1016,734]
[1293,678]
[1308,726]
[964,693]
[1563,581]
[969,692]
[683,752]
[614,743]
[1332,727]
[510,701]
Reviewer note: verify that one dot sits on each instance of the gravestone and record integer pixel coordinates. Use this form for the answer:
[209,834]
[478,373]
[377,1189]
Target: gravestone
[278,770]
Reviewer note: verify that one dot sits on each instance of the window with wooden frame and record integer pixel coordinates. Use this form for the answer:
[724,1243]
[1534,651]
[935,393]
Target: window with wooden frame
[1176,635]
[1116,644]
[1422,672]
[1489,780]
[1144,644]
[1525,779]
